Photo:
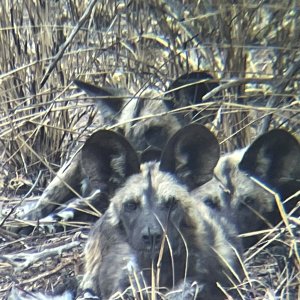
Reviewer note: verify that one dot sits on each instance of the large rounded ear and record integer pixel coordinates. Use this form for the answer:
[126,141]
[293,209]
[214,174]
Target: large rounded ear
[107,158]
[108,100]
[273,157]
[187,91]
[191,154]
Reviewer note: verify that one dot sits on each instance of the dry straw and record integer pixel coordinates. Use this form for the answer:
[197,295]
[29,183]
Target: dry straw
[252,47]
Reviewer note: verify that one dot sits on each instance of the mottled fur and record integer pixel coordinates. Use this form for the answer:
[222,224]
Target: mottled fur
[158,124]
[148,136]
[272,159]
[155,203]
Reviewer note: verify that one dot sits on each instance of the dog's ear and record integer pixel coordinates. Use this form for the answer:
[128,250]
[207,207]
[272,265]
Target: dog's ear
[108,100]
[274,157]
[107,158]
[191,154]
[189,89]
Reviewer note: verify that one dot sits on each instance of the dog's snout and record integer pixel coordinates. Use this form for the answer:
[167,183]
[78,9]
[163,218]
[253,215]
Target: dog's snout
[152,236]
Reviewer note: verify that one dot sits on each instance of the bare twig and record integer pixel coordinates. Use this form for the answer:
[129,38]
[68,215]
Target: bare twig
[273,101]
[23,260]
[62,49]
[21,201]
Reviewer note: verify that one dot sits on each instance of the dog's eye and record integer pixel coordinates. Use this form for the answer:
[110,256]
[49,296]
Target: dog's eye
[210,203]
[170,203]
[249,201]
[130,206]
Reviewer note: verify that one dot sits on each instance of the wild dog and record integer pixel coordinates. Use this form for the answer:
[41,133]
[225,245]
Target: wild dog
[153,224]
[152,133]
[273,159]
[148,137]
[184,93]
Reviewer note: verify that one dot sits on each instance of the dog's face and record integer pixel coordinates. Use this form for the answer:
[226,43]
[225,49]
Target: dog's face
[251,176]
[154,197]
[150,133]
[149,208]
[252,204]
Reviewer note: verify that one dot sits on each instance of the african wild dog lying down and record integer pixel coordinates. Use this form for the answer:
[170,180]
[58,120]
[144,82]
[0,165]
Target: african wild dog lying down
[148,137]
[153,225]
[274,160]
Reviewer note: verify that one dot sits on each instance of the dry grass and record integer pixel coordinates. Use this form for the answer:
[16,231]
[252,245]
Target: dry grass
[252,47]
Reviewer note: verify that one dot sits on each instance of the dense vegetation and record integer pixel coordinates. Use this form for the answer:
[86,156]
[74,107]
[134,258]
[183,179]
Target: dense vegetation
[251,47]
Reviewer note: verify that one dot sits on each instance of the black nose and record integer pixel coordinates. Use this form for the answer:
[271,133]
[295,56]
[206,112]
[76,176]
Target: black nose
[151,236]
